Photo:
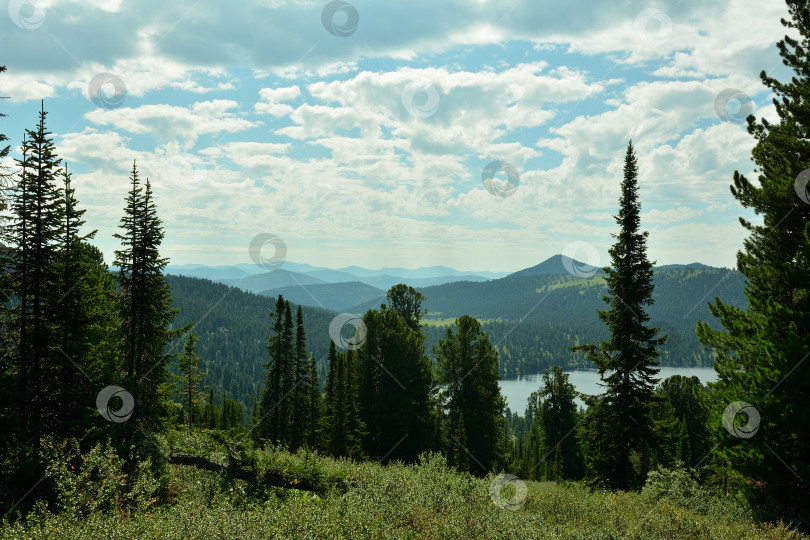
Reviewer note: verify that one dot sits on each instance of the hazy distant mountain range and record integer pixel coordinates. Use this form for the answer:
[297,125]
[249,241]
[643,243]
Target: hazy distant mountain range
[344,288]
[334,289]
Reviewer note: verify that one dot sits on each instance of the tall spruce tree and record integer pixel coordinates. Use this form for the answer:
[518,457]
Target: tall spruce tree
[288,380]
[762,351]
[274,422]
[145,304]
[38,213]
[314,404]
[301,393]
[189,379]
[468,366]
[342,428]
[8,423]
[86,321]
[619,427]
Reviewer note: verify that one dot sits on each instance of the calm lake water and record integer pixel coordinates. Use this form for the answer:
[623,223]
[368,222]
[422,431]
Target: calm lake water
[517,391]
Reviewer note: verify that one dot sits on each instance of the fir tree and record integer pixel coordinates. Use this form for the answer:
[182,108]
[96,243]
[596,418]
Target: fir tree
[342,427]
[145,304]
[395,388]
[315,404]
[190,379]
[762,351]
[468,366]
[7,422]
[269,418]
[619,425]
[38,214]
[555,412]
[288,382]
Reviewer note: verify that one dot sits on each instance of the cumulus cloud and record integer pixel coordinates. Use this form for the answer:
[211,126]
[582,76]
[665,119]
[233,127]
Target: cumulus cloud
[372,145]
[164,122]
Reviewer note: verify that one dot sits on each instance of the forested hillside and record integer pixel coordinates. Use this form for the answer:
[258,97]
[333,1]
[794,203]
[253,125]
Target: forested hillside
[555,311]
[233,330]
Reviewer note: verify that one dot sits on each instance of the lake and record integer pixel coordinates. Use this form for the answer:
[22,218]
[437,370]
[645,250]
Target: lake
[517,391]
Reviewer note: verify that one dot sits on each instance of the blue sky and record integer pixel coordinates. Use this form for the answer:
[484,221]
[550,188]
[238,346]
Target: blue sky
[365,143]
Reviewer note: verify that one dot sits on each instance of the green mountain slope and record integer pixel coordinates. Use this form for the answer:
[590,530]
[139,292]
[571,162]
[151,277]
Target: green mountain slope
[534,319]
[232,327]
[332,296]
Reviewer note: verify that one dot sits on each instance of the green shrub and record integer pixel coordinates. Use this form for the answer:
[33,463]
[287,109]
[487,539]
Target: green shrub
[96,481]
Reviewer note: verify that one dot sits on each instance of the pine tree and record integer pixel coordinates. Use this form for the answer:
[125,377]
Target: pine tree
[288,381]
[301,394]
[681,419]
[555,412]
[342,427]
[212,411]
[619,423]
[315,405]
[396,398]
[762,351]
[270,418]
[85,317]
[468,366]
[145,304]
[7,422]
[38,214]
[190,379]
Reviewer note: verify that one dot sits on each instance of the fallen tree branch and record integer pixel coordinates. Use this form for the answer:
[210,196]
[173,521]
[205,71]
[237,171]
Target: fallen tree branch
[270,478]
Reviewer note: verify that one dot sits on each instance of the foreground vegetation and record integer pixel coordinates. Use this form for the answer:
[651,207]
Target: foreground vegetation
[368,500]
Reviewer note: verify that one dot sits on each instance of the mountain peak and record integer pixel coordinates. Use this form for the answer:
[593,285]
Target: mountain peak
[557,264]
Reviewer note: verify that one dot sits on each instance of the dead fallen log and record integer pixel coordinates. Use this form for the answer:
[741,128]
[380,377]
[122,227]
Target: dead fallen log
[272,477]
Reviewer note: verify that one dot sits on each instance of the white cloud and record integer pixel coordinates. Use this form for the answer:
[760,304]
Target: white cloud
[165,122]
[670,215]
